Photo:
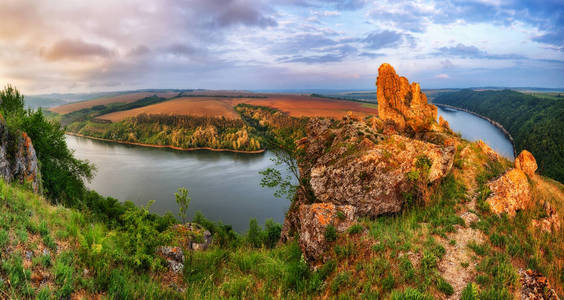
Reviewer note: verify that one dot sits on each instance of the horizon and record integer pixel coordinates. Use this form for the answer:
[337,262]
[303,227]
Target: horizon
[100,46]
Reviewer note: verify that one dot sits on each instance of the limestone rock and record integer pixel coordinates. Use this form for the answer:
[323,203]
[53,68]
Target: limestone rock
[526,162]
[193,236]
[535,286]
[550,223]
[510,193]
[315,219]
[174,256]
[369,172]
[18,160]
[402,103]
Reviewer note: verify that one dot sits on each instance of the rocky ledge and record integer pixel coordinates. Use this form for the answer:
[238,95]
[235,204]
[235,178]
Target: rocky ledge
[365,168]
[18,160]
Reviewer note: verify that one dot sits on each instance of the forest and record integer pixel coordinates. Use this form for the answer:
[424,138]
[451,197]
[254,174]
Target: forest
[536,124]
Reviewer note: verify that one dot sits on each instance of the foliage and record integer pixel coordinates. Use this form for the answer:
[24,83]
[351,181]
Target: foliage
[182,131]
[183,202]
[62,174]
[330,233]
[535,123]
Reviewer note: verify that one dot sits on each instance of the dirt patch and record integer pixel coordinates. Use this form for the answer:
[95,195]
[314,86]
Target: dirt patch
[458,266]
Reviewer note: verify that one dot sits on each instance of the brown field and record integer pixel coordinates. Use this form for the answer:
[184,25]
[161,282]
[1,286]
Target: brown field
[295,105]
[126,98]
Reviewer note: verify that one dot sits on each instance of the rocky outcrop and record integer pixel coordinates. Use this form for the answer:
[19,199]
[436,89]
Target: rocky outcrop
[18,160]
[551,221]
[350,164]
[316,218]
[192,236]
[512,191]
[365,170]
[526,162]
[509,193]
[174,257]
[402,103]
[535,286]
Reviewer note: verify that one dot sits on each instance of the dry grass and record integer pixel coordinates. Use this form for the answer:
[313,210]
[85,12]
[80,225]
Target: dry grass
[126,98]
[295,105]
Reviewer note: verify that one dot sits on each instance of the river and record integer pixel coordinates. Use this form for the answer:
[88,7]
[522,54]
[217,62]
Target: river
[224,186]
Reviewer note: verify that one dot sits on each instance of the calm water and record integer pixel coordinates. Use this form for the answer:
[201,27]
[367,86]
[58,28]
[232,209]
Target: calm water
[224,186]
[475,128]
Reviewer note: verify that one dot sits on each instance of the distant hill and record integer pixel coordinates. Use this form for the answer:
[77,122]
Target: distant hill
[536,124]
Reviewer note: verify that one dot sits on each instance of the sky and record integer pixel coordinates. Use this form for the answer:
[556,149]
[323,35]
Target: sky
[107,45]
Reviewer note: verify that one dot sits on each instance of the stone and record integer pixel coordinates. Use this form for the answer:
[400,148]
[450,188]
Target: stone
[402,103]
[174,257]
[526,162]
[551,223]
[535,286]
[18,160]
[315,220]
[509,193]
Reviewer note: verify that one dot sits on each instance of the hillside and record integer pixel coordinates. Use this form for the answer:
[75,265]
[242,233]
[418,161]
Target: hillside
[535,123]
[389,207]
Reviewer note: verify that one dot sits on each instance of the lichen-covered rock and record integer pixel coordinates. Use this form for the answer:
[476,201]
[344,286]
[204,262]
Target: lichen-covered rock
[526,162]
[18,160]
[315,218]
[366,170]
[192,236]
[552,222]
[534,286]
[509,193]
[174,256]
[401,102]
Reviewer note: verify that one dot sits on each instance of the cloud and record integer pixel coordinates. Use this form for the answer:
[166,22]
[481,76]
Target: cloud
[383,39]
[240,13]
[463,51]
[442,76]
[73,49]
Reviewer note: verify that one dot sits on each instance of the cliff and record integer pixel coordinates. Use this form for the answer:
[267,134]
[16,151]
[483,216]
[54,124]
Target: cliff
[401,102]
[18,160]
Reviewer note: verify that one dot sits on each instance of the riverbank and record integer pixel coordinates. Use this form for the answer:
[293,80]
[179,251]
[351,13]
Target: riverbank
[494,123]
[165,146]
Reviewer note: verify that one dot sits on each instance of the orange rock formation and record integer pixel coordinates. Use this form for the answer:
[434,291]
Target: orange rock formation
[401,102]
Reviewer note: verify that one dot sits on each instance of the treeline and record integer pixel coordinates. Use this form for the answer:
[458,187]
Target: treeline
[536,124]
[176,130]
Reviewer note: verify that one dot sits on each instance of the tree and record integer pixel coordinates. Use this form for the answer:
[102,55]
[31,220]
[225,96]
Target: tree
[183,202]
[11,101]
[286,154]
[62,174]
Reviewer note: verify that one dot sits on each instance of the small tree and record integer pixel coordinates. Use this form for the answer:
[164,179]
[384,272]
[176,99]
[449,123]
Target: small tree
[183,202]
[11,101]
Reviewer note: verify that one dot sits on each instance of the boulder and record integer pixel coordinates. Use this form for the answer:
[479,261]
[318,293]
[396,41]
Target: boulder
[535,286]
[174,257]
[370,172]
[509,193]
[401,102]
[315,220]
[526,162]
[18,160]
[551,222]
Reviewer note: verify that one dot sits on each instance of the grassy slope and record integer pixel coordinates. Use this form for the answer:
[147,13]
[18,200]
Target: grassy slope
[536,124]
[373,259]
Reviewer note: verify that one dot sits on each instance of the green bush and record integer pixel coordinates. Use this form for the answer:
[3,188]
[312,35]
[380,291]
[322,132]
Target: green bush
[330,233]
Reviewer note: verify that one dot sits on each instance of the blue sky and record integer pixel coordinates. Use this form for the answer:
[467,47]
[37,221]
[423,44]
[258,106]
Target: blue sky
[82,46]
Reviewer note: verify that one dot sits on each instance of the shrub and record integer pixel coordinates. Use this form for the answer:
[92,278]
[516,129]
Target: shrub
[444,287]
[254,235]
[470,292]
[355,229]
[272,233]
[330,233]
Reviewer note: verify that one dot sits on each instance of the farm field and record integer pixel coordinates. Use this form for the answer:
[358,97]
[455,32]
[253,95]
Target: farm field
[125,98]
[294,105]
